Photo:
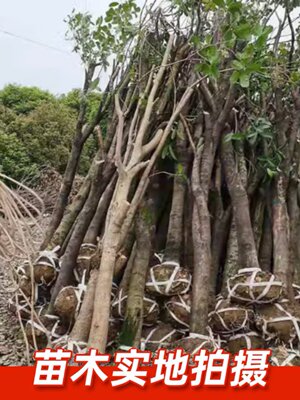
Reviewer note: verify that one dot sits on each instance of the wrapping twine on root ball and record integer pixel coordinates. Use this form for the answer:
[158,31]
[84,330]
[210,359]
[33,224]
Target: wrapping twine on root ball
[66,343]
[285,357]
[178,310]
[228,318]
[150,308]
[19,306]
[279,322]
[249,340]
[254,286]
[45,331]
[168,279]
[159,336]
[193,343]
[68,301]
[46,267]
[88,259]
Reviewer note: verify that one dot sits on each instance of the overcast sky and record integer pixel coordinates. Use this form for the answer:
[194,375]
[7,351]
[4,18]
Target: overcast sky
[29,64]
[26,63]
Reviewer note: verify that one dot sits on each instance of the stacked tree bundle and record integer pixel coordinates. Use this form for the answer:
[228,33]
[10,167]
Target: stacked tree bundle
[194,191]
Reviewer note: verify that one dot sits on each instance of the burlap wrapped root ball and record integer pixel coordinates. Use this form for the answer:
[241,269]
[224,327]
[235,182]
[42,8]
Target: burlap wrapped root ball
[67,343]
[230,318]
[178,311]
[193,343]
[285,357]
[25,286]
[159,336]
[45,331]
[86,260]
[23,269]
[279,323]
[254,286]
[249,340]
[46,267]
[284,296]
[150,308]
[68,301]
[19,306]
[168,279]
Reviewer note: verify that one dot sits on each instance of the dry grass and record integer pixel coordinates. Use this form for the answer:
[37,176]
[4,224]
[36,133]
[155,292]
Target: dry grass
[17,217]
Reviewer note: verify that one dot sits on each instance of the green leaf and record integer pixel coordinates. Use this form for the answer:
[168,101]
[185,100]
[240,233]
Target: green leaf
[243,31]
[219,3]
[214,71]
[211,53]
[238,136]
[271,173]
[254,67]
[235,77]
[94,84]
[238,65]
[172,152]
[114,4]
[244,80]
[195,40]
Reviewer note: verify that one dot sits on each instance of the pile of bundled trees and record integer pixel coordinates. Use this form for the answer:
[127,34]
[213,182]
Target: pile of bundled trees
[185,230]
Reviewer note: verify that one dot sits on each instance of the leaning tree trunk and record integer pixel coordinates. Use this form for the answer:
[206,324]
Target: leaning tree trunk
[132,326]
[173,251]
[246,244]
[81,135]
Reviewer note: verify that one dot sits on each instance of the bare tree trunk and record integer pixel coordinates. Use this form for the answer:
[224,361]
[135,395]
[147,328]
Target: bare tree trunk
[132,327]
[81,135]
[100,214]
[175,230]
[266,245]
[281,235]
[245,237]
[71,214]
[69,259]
[201,230]
[82,326]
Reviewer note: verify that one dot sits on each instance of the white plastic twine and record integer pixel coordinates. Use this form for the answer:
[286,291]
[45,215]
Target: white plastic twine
[83,257]
[292,354]
[251,284]
[207,340]
[20,307]
[164,287]
[161,342]
[76,346]
[49,333]
[48,258]
[289,317]
[181,304]
[247,337]
[218,313]
[20,270]
[86,246]
[80,292]
[121,296]
[296,289]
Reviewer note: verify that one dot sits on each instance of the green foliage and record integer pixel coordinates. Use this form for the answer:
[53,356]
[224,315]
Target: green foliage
[23,99]
[14,158]
[47,134]
[260,129]
[241,34]
[72,100]
[261,134]
[37,130]
[96,40]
